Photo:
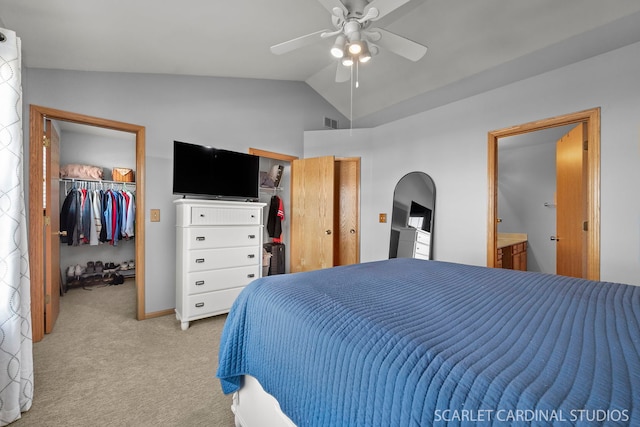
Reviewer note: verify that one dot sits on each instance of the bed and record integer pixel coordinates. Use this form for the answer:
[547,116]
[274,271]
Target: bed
[408,342]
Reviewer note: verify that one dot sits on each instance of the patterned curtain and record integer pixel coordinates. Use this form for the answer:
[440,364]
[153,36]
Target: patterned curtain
[16,357]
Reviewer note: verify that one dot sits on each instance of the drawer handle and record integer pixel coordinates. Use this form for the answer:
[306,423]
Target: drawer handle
[200,283]
[251,256]
[251,275]
[253,216]
[201,215]
[200,239]
[199,304]
[199,260]
[252,236]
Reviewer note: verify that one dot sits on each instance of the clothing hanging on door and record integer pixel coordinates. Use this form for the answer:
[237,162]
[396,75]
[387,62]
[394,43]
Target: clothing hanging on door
[275,218]
[97,216]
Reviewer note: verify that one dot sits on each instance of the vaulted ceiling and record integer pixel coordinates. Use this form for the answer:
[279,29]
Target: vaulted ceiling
[466,38]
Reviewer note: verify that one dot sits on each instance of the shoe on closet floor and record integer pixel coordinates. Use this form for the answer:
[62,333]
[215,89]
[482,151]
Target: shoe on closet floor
[71,271]
[78,270]
[99,267]
[91,267]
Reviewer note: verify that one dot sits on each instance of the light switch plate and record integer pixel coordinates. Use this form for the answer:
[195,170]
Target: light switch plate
[155,215]
[383,217]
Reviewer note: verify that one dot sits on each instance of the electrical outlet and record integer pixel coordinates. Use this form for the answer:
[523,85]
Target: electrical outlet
[155,215]
[383,217]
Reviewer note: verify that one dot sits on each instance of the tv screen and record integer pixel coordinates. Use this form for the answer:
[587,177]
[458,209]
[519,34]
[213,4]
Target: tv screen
[420,217]
[210,172]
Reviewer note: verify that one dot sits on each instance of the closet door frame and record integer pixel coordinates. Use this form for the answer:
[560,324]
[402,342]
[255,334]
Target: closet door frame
[281,158]
[37,116]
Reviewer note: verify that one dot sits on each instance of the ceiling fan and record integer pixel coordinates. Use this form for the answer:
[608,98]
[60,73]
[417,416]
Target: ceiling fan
[355,39]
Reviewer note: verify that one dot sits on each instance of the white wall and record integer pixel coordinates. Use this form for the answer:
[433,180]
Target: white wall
[450,144]
[227,113]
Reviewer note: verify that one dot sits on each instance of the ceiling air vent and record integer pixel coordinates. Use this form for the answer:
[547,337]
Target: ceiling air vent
[330,123]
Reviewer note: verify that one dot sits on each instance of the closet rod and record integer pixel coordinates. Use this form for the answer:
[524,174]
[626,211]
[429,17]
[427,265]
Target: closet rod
[97,181]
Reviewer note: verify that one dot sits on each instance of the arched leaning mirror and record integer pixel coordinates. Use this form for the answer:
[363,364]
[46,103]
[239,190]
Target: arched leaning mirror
[414,201]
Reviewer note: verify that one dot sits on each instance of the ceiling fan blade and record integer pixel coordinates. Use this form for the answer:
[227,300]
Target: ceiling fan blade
[400,45]
[384,7]
[343,73]
[297,43]
[330,4]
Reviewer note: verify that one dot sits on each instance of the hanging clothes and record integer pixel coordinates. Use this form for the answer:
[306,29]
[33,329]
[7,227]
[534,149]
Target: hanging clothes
[275,218]
[98,216]
[96,223]
[68,217]
[86,216]
[129,215]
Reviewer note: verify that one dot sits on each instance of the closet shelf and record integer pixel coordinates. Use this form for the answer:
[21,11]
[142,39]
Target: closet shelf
[96,181]
[270,189]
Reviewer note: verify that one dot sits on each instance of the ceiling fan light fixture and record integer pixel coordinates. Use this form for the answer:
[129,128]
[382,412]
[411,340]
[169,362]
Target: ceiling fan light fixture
[365,55]
[347,61]
[338,47]
[355,48]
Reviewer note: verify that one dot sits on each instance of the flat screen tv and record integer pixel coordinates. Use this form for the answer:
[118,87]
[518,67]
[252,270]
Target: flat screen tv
[420,217]
[208,172]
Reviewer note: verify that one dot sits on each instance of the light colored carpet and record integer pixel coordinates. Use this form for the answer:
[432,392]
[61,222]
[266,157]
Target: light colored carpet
[101,367]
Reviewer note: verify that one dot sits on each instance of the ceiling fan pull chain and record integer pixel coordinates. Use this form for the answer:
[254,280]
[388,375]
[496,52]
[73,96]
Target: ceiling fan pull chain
[351,107]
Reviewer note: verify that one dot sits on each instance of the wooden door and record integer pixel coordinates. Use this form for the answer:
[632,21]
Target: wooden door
[312,213]
[591,119]
[571,203]
[51,154]
[37,238]
[347,240]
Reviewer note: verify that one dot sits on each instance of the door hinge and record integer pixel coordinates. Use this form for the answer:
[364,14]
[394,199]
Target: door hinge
[47,221]
[47,299]
[585,226]
[585,145]
[46,142]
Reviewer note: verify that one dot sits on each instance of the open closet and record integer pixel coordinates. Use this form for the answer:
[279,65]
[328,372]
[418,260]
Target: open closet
[98,203]
[275,191]
[50,257]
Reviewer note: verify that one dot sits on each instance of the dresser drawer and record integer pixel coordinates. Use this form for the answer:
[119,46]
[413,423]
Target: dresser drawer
[215,280]
[423,237]
[203,305]
[204,215]
[221,237]
[209,259]
[422,249]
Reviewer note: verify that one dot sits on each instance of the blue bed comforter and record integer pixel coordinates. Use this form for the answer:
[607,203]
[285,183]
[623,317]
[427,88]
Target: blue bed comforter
[406,342]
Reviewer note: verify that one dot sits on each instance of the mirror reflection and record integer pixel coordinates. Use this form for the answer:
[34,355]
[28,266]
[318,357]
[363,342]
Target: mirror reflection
[412,217]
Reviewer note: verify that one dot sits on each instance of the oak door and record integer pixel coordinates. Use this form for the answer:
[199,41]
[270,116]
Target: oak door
[312,213]
[51,154]
[347,240]
[571,203]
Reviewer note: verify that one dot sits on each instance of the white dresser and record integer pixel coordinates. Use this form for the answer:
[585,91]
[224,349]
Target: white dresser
[218,252]
[414,243]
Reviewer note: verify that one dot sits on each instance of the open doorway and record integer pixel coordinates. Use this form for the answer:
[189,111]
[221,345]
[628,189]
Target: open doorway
[97,165]
[589,123]
[272,192]
[44,229]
